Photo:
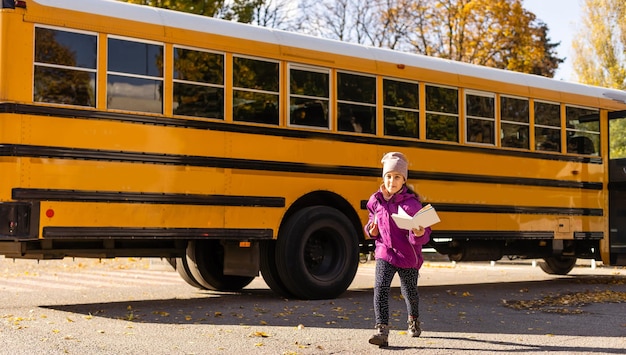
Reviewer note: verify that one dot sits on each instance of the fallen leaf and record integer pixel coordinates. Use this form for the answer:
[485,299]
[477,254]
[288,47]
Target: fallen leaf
[259,334]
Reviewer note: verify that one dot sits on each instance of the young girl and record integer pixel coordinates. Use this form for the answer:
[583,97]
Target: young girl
[397,250]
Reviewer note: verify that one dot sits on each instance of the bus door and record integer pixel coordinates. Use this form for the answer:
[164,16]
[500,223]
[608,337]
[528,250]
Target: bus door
[617,187]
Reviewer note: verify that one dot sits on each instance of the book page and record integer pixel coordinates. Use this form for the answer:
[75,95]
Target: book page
[425,217]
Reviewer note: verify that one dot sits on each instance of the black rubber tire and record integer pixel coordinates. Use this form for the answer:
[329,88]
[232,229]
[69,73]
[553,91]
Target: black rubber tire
[183,270]
[205,259]
[269,271]
[317,253]
[557,265]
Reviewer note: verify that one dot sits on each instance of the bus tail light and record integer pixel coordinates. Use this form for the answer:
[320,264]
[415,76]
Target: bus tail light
[15,219]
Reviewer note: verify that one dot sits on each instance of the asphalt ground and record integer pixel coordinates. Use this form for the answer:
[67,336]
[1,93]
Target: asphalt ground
[140,306]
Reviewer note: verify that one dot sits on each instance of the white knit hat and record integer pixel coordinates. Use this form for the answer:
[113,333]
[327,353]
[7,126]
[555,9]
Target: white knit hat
[395,161]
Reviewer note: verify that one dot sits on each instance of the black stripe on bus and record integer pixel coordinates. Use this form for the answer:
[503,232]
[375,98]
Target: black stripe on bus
[278,131]
[142,197]
[263,165]
[99,233]
[490,234]
[514,235]
[499,209]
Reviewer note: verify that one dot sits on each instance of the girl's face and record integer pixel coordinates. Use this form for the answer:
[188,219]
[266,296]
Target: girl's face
[393,182]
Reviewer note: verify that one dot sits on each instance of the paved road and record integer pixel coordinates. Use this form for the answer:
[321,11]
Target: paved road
[139,306]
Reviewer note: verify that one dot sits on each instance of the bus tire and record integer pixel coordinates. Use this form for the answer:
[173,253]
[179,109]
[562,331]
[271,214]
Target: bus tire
[205,259]
[557,265]
[317,253]
[183,270]
[269,270]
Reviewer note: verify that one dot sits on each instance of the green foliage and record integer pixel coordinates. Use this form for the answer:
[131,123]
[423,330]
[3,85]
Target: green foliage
[617,148]
[244,10]
[600,56]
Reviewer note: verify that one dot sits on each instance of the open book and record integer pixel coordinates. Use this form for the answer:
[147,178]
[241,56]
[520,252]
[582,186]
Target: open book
[425,217]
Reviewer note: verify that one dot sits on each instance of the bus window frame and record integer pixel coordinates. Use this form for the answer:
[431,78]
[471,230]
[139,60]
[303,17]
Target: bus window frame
[233,88]
[535,126]
[290,95]
[373,105]
[93,71]
[187,82]
[494,120]
[456,115]
[400,108]
[516,123]
[582,132]
[164,69]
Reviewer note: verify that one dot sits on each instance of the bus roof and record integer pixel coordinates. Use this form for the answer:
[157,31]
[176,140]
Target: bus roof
[152,15]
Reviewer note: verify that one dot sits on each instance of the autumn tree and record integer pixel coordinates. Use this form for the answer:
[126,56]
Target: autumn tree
[495,33]
[599,45]
[600,56]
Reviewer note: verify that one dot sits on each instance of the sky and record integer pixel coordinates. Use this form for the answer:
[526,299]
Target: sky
[561,17]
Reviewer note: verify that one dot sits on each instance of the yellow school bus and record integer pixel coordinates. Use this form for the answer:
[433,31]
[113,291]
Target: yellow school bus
[234,150]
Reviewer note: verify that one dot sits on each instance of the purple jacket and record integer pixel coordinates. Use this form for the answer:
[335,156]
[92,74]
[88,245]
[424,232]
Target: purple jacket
[399,247]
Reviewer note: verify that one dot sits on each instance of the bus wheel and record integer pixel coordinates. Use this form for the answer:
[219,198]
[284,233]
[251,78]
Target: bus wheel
[269,271]
[557,265]
[182,268]
[205,259]
[317,253]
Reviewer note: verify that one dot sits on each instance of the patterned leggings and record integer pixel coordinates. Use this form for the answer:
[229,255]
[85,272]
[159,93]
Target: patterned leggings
[408,286]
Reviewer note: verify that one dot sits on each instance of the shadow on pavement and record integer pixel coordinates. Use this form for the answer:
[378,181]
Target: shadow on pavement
[507,307]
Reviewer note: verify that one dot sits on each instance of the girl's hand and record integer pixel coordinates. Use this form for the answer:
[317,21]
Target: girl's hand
[419,232]
[373,228]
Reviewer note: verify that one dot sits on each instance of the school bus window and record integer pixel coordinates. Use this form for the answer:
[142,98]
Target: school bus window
[135,76]
[583,130]
[65,67]
[255,90]
[401,104]
[480,116]
[547,126]
[356,103]
[514,122]
[198,83]
[442,113]
[309,96]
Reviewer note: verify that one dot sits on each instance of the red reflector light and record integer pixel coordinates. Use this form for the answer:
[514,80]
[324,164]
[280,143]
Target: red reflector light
[49,213]
[20,3]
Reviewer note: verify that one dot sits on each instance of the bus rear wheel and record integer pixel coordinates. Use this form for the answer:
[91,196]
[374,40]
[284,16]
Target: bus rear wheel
[317,253]
[557,265]
[205,260]
[269,270]
[181,266]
